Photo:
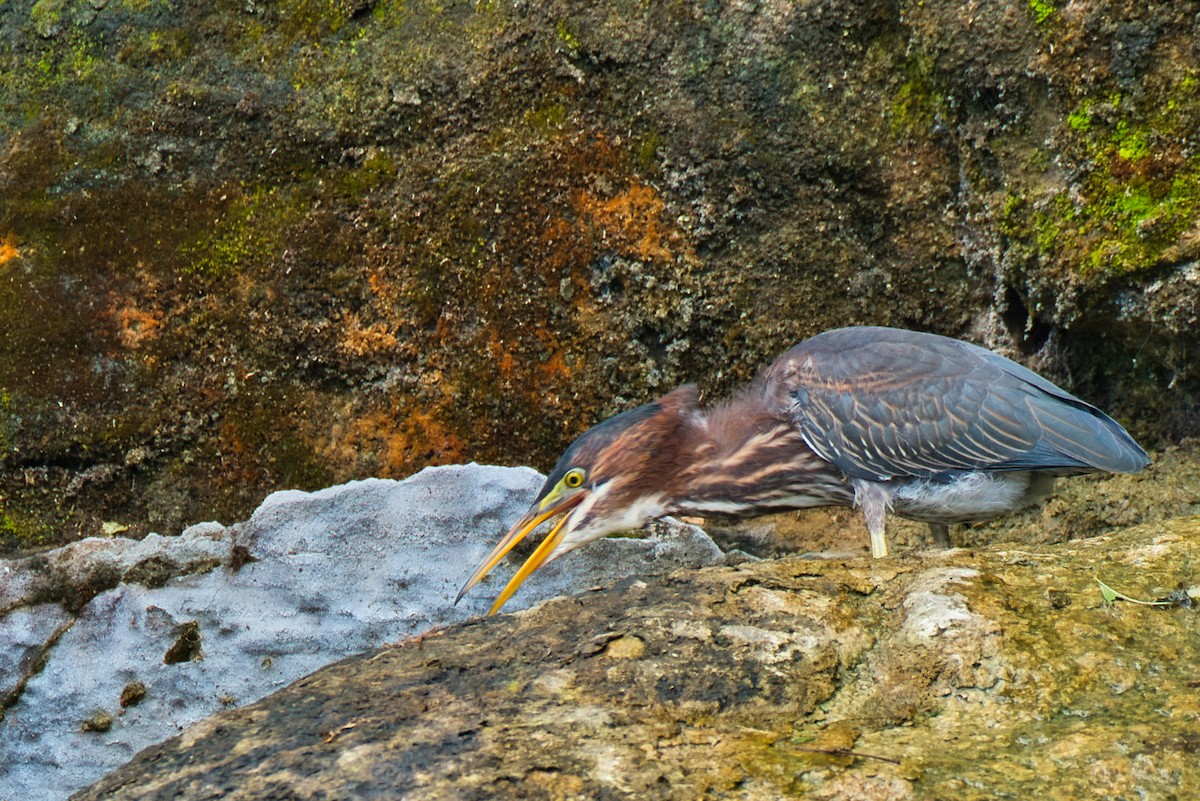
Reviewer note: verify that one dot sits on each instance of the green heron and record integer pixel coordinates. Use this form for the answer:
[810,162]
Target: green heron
[881,419]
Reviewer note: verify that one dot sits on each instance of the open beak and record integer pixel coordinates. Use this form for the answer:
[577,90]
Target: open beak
[532,519]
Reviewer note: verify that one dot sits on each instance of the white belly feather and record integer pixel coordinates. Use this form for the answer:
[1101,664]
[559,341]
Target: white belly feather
[970,496]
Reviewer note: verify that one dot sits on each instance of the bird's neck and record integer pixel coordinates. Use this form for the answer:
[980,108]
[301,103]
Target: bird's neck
[742,459]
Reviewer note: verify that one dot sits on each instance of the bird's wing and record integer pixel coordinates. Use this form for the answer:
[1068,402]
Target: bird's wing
[882,403]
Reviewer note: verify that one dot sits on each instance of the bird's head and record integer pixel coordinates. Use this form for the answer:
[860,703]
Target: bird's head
[617,476]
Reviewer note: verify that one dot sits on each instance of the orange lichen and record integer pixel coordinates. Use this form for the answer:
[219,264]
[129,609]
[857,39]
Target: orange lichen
[238,460]
[136,327]
[8,249]
[404,440]
[555,370]
[379,281]
[631,220]
[560,242]
[360,340]
[501,356]
[610,211]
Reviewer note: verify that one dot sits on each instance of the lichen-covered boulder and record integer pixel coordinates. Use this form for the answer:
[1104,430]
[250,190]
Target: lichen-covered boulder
[966,675]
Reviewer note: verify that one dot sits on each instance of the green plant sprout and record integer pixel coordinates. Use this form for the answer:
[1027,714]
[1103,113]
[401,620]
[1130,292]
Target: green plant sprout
[1111,596]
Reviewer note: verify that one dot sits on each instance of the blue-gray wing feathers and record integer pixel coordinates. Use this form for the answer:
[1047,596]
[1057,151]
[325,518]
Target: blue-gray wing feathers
[884,403]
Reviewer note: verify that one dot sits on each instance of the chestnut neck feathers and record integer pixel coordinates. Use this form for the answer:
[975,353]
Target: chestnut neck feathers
[741,457]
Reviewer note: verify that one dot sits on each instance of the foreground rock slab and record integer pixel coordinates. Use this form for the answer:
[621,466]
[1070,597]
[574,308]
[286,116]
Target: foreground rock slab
[996,673]
[111,645]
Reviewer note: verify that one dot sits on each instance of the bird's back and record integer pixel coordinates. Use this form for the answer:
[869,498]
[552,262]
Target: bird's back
[883,403]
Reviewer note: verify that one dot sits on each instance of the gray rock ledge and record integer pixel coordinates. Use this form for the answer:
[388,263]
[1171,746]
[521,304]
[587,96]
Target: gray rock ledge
[111,645]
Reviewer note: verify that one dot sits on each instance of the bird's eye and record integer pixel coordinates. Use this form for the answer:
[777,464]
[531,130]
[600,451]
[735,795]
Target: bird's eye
[574,478]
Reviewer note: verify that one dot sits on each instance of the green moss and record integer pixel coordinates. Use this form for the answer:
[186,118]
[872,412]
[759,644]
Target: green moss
[253,231]
[9,528]
[1118,223]
[311,19]
[646,155]
[1139,192]
[46,77]
[1080,119]
[1136,203]
[1046,231]
[79,62]
[1135,217]
[6,434]
[1040,159]
[547,118]
[138,6]
[17,531]
[47,17]
[919,103]
[567,35]
[376,169]
[1131,142]
[1041,10]
[144,48]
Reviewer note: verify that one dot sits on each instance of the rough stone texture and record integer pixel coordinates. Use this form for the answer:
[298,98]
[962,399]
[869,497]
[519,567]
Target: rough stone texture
[74,574]
[311,578]
[247,246]
[955,674]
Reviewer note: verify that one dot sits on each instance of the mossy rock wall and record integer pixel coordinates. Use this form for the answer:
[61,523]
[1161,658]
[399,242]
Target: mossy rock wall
[246,246]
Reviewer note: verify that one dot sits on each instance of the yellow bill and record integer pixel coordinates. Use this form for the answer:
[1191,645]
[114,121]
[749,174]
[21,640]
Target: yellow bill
[539,514]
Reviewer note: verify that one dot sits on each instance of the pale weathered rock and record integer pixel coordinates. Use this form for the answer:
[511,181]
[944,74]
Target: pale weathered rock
[955,674]
[74,574]
[308,580]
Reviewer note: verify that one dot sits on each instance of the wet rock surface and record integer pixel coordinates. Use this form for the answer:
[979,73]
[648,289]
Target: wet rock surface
[953,674]
[103,656]
[252,246]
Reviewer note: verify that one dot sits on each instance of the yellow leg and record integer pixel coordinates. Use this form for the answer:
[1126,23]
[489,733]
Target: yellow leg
[878,544]
[873,500]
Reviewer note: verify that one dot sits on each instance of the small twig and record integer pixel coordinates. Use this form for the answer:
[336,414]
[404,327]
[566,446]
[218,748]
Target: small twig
[333,735]
[844,752]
